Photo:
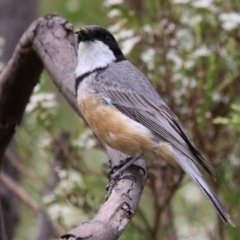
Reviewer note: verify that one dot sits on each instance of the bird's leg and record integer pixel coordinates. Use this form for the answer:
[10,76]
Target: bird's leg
[118,166]
[115,175]
[124,165]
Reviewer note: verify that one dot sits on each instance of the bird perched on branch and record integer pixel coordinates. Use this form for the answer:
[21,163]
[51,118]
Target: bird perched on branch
[124,110]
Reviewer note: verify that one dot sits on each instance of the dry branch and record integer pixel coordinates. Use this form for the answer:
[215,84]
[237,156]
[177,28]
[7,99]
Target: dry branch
[16,162]
[49,42]
[24,197]
[19,192]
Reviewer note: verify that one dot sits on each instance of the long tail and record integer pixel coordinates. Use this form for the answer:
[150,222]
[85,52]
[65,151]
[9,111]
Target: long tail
[191,169]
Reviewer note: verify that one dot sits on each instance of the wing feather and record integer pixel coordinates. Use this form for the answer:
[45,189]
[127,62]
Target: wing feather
[147,108]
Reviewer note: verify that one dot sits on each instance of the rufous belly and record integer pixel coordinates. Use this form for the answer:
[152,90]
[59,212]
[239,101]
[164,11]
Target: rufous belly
[121,132]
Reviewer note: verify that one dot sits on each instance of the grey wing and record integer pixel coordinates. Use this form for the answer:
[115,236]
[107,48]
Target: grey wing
[131,93]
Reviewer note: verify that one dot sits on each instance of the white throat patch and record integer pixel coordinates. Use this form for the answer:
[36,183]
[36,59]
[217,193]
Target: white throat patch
[92,55]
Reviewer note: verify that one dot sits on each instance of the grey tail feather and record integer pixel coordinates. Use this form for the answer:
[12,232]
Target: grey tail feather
[211,195]
[191,169]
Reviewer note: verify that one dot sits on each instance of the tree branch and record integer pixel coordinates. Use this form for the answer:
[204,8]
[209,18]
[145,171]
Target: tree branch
[21,194]
[16,162]
[49,42]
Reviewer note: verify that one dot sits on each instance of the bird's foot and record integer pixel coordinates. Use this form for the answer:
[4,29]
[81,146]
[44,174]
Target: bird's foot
[118,166]
[116,172]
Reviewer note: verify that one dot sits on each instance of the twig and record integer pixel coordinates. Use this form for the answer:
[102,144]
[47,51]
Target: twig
[22,195]
[166,182]
[19,192]
[22,169]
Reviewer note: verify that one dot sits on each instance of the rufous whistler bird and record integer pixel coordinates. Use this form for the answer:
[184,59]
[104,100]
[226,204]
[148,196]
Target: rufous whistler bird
[124,110]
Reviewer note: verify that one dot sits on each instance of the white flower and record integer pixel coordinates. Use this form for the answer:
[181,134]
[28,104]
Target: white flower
[68,215]
[148,57]
[114,13]
[216,97]
[234,160]
[189,64]
[86,140]
[201,52]
[45,141]
[180,1]
[174,57]
[230,21]
[193,83]
[75,177]
[190,20]
[57,211]
[124,33]
[49,198]
[117,26]
[202,4]
[112,2]
[186,39]
[170,27]
[69,180]
[197,19]
[147,28]
[62,173]
[173,42]
[177,76]
[129,44]
[45,100]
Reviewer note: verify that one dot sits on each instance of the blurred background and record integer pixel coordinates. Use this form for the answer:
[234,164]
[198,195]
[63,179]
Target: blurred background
[190,52]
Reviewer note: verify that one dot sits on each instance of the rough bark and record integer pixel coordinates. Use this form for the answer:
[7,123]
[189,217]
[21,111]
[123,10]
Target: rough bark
[16,85]
[49,42]
[14,20]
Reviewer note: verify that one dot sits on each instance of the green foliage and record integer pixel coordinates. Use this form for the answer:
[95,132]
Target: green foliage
[84,12]
[233,120]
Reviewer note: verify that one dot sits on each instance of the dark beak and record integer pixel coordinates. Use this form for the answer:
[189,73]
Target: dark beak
[84,35]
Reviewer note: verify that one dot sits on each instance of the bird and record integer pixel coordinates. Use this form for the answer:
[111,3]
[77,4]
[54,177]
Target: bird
[124,110]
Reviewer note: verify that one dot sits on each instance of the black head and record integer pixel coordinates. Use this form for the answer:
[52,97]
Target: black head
[97,33]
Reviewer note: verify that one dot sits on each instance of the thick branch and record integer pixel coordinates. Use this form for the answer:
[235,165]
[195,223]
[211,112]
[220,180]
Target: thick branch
[50,42]
[16,84]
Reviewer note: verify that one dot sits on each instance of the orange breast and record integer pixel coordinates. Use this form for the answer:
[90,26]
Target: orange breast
[114,128]
[122,133]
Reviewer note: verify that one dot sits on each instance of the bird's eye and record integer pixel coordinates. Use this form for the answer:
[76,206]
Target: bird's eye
[108,39]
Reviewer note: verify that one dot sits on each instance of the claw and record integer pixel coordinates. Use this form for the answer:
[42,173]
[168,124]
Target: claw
[116,172]
[118,166]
